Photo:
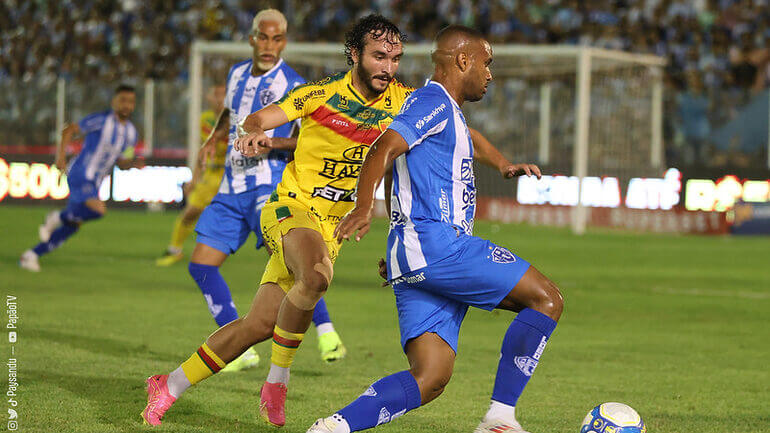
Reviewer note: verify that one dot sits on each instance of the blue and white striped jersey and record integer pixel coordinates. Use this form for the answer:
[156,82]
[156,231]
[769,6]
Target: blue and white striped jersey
[245,95]
[106,139]
[433,199]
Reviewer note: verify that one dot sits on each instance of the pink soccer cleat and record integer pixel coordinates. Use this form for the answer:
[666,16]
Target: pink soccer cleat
[158,399]
[271,403]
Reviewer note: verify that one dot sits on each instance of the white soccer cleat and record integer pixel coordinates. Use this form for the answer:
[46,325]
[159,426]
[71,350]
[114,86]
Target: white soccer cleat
[497,426]
[52,222]
[331,424]
[28,261]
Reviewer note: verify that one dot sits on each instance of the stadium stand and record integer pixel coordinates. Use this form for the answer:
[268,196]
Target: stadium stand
[718,50]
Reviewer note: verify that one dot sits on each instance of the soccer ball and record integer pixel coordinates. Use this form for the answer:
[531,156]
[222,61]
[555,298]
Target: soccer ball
[613,418]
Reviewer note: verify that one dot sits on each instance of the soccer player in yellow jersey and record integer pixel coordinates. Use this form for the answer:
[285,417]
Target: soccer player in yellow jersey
[341,116]
[202,188]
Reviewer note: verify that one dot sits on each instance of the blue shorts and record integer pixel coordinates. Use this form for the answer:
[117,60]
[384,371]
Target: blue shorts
[435,298]
[225,224]
[81,190]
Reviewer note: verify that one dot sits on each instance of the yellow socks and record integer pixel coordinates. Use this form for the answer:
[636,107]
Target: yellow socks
[285,345]
[202,364]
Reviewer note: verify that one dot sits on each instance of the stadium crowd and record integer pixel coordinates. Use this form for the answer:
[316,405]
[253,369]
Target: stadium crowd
[718,50]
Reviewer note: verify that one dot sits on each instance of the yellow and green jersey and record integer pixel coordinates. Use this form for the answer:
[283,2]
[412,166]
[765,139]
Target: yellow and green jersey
[338,126]
[208,122]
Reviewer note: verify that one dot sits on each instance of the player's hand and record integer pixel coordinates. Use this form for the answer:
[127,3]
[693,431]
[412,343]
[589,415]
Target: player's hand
[138,162]
[383,270]
[187,188]
[61,163]
[357,220]
[253,144]
[208,150]
[514,170]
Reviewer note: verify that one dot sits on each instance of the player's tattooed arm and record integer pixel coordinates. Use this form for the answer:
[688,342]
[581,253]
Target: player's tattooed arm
[252,140]
[68,133]
[381,155]
[209,147]
[487,153]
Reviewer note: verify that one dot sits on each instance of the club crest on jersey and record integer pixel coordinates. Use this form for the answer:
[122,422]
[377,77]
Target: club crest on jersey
[266,97]
[502,255]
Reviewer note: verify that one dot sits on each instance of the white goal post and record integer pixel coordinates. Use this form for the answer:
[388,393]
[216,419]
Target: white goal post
[576,110]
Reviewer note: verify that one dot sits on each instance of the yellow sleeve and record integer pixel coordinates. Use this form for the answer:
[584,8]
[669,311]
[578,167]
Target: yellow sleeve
[208,120]
[128,153]
[303,100]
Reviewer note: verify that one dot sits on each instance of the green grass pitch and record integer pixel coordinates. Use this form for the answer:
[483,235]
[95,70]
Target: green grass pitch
[678,327]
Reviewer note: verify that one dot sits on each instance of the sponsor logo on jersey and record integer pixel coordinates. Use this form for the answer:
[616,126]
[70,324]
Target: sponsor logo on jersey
[424,121]
[466,170]
[410,279]
[335,194]
[299,102]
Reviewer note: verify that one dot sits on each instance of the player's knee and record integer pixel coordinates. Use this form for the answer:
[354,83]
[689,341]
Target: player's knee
[431,381]
[549,300]
[317,280]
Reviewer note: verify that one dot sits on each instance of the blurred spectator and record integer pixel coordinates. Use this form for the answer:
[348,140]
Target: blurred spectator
[726,41]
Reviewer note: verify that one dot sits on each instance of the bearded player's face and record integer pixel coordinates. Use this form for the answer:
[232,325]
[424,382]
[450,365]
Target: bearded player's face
[123,104]
[268,42]
[378,62]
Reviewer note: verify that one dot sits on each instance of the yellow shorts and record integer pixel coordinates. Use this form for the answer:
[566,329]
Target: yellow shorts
[278,217]
[206,188]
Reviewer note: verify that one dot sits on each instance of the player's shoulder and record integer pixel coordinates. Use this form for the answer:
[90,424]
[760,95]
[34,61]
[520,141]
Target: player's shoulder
[93,121]
[291,74]
[400,89]
[430,97]
[238,66]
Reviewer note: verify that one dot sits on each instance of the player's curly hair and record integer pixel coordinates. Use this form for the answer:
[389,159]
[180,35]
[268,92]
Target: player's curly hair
[355,38]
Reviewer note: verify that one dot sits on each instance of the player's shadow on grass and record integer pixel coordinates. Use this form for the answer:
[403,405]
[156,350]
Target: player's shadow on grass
[119,401]
[99,345]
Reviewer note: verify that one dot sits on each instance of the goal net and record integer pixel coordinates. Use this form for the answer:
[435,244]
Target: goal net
[575,111]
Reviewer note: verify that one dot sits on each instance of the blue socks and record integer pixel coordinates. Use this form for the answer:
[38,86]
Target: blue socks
[384,401]
[71,217]
[57,238]
[215,291]
[321,314]
[522,346]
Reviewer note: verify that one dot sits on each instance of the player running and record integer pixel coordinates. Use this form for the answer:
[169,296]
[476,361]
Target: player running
[248,181]
[110,138]
[203,186]
[436,266]
[341,116]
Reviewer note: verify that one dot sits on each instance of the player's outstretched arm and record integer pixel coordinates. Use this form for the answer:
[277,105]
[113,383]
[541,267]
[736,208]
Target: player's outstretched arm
[252,140]
[67,134]
[381,155]
[488,154]
[209,147]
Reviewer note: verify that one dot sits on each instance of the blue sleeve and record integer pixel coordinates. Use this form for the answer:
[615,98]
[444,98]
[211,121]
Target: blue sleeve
[91,123]
[422,115]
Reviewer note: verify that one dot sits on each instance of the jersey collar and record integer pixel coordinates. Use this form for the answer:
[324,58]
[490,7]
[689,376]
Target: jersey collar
[429,81]
[349,84]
